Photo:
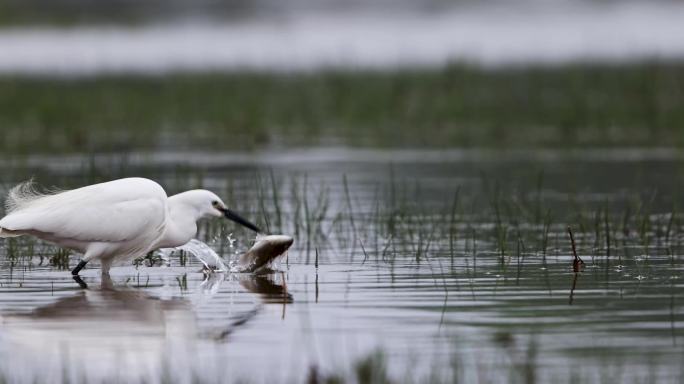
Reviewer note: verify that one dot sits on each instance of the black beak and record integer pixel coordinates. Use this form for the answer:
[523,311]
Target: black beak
[239,219]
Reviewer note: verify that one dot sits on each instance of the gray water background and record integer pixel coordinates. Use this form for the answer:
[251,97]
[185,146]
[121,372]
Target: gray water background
[382,273]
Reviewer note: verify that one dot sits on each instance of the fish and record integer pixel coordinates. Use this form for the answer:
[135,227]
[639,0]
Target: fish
[263,252]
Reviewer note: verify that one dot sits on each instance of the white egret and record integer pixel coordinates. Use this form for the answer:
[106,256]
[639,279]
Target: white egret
[113,221]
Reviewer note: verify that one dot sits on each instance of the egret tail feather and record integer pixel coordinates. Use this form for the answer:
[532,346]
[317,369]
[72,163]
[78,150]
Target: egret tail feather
[24,194]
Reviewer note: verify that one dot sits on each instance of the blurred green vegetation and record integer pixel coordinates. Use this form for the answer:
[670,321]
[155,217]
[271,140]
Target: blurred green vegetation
[78,12]
[563,106]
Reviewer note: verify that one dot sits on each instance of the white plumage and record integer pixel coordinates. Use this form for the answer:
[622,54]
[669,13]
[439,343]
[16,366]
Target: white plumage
[113,221]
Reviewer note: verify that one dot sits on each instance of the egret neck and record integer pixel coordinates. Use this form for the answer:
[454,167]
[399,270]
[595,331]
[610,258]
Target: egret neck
[181,223]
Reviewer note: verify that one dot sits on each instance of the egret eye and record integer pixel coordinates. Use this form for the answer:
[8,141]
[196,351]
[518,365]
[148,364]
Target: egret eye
[215,203]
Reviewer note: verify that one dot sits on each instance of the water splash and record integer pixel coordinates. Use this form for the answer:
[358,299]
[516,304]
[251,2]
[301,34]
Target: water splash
[210,285]
[207,256]
[236,267]
[260,257]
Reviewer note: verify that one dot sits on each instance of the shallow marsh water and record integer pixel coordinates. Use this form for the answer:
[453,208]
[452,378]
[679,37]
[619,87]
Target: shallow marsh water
[408,266]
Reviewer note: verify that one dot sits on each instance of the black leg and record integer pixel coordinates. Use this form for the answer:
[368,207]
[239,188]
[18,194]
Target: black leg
[78,268]
[80,282]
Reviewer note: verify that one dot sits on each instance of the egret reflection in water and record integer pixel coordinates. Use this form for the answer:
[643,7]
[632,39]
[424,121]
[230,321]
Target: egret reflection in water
[128,334]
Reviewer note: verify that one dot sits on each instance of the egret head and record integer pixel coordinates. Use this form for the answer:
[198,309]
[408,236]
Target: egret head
[209,205]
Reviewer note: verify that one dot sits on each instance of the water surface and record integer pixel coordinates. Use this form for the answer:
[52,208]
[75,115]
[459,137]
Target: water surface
[412,266]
